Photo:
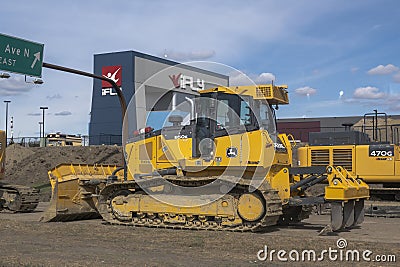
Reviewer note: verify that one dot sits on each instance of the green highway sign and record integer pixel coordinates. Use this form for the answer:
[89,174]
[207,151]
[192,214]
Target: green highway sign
[21,56]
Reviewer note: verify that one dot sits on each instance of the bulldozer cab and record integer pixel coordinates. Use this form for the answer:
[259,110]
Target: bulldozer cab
[221,114]
[226,111]
[216,129]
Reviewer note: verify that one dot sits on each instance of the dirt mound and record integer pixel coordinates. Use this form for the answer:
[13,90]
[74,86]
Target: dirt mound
[16,153]
[29,166]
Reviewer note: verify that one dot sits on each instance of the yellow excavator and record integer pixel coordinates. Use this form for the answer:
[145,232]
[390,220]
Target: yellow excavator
[225,168]
[377,162]
[14,198]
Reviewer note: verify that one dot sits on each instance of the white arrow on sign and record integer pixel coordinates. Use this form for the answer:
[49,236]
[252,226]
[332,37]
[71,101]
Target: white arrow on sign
[37,58]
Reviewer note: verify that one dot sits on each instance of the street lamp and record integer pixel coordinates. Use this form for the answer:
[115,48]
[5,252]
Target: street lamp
[40,129]
[43,109]
[38,81]
[34,81]
[7,102]
[12,130]
[4,75]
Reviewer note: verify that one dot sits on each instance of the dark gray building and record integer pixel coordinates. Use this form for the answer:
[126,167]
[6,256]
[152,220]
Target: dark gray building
[387,126]
[143,79]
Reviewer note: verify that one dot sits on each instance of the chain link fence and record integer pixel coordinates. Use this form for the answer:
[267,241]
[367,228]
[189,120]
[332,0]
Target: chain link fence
[31,141]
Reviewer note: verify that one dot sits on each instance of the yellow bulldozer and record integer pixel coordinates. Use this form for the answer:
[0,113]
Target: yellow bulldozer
[14,198]
[219,166]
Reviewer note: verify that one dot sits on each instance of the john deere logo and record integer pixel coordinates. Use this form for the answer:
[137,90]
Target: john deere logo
[231,152]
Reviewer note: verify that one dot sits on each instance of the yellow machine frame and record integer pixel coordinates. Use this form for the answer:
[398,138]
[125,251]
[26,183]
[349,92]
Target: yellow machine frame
[76,188]
[356,160]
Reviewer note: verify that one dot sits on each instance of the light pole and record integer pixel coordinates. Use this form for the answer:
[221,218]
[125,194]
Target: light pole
[12,130]
[43,109]
[7,102]
[40,129]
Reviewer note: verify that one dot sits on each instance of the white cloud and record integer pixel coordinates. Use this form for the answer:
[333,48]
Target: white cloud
[265,77]
[305,91]
[383,70]
[354,69]
[63,113]
[392,102]
[396,77]
[52,97]
[367,97]
[368,92]
[239,78]
[14,85]
[229,36]
[376,27]
[34,114]
[187,56]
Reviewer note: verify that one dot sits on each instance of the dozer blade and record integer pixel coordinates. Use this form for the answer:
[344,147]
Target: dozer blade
[359,212]
[347,196]
[345,215]
[74,192]
[336,216]
[68,203]
[348,214]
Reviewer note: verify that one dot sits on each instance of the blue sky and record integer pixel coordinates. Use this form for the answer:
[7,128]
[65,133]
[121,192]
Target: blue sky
[339,58]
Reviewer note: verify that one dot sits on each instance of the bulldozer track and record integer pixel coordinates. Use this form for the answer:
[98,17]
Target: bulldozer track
[386,209]
[20,198]
[270,198]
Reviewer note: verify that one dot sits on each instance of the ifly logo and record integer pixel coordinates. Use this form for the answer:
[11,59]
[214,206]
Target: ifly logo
[176,80]
[114,73]
[183,81]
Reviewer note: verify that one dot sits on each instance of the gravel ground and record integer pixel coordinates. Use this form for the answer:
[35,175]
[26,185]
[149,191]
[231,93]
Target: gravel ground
[27,242]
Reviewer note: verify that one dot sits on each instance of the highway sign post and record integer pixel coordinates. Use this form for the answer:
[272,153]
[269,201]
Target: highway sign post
[21,56]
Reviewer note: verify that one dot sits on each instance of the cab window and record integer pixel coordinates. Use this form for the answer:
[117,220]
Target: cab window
[245,112]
